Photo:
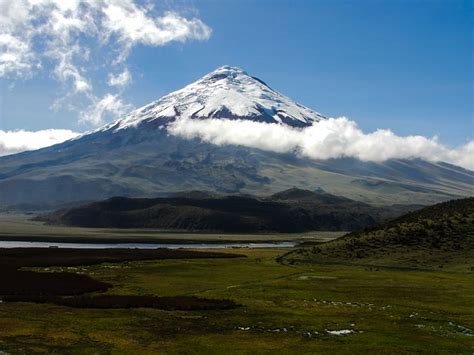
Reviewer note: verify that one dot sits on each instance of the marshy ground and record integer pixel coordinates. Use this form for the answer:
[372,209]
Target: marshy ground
[284,308]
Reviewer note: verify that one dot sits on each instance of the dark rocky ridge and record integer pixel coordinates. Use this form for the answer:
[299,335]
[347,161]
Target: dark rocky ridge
[289,211]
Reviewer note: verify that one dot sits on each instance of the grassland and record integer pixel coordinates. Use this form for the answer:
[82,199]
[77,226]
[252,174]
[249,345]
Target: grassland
[285,309]
[435,237]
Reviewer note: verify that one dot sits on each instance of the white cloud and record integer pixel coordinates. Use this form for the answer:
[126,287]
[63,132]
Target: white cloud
[12,142]
[66,70]
[332,138]
[80,37]
[120,80]
[16,58]
[101,109]
[133,25]
[463,156]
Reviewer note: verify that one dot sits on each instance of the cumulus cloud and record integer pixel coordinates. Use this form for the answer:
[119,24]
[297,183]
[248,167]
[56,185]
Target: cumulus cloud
[108,106]
[132,25]
[79,37]
[332,138]
[12,142]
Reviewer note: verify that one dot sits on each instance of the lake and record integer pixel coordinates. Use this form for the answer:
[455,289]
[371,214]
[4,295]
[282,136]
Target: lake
[13,244]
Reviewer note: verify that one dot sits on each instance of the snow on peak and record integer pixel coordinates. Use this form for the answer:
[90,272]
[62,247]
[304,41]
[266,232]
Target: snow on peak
[227,92]
[225,70]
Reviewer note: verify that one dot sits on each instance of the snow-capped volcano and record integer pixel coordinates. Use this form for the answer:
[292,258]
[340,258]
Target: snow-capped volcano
[140,156]
[227,92]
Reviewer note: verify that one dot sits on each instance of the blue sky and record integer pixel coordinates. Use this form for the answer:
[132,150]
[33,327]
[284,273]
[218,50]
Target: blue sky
[402,65]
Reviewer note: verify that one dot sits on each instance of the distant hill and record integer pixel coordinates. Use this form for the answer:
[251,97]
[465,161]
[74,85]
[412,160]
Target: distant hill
[438,236]
[289,211]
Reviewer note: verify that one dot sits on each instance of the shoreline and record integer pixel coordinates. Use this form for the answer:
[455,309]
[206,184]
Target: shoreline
[115,240]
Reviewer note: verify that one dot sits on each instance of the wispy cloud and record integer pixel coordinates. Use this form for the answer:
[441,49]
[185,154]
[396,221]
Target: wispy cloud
[12,142]
[332,138]
[109,106]
[120,80]
[74,36]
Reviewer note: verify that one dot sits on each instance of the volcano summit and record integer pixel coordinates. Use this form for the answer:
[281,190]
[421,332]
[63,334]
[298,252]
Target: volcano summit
[137,156]
[227,92]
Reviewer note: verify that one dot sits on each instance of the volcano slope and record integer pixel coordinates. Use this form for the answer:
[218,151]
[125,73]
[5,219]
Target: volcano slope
[439,236]
[137,156]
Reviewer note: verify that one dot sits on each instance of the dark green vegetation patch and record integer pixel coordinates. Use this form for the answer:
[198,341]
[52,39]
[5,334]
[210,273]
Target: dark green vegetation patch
[438,236]
[20,282]
[28,257]
[177,303]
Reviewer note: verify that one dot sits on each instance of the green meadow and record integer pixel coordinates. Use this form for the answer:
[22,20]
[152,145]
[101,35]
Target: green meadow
[318,308]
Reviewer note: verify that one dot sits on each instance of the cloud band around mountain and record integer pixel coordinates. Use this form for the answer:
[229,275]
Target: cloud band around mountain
[331,138]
